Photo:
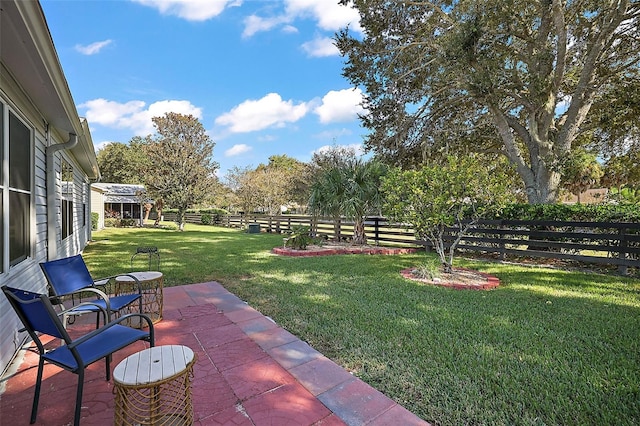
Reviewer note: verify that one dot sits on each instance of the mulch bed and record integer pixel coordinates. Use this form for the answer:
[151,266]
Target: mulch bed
[461,279]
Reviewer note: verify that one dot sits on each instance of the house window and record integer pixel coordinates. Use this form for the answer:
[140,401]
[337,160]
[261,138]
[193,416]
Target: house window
[15,187]
[67,199]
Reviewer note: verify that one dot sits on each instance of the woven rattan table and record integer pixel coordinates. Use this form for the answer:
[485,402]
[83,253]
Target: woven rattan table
[153,387]
[152,283]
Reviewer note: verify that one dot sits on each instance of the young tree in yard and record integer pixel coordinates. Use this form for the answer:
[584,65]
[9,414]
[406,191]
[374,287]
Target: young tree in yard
[181,169]
[438,197]
[352,190]
[516,77]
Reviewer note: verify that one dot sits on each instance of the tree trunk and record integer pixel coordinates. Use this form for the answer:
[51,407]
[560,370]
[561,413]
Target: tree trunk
[159,208]
[180,219]
[359,237]
[542,186]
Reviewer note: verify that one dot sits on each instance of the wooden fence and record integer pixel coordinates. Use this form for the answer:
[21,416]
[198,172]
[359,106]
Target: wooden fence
[591,242]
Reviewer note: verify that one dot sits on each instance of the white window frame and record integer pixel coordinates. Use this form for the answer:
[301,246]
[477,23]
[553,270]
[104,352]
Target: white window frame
[67,198]
[7,110]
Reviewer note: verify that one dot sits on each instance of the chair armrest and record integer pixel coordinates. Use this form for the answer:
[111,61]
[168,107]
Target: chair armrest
[106,314]
[101,294]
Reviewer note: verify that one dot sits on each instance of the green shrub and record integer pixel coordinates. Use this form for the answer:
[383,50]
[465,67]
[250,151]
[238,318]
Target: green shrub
[206,219]
[95,217]
[299,238]
[128,222]
[112,222]
[571,212]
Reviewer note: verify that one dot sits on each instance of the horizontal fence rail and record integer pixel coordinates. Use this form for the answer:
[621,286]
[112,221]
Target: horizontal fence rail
[590,242]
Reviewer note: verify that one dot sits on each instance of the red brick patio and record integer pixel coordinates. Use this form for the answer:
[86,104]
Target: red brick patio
[249,371]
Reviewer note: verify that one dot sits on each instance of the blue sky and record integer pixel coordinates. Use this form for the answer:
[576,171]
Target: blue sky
[261,75]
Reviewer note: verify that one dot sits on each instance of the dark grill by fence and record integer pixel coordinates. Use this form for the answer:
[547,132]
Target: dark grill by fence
[591,242]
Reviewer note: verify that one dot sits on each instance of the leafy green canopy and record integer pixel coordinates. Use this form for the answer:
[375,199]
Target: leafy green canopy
[438,197]
[516,77]
[180,168]
[121,163]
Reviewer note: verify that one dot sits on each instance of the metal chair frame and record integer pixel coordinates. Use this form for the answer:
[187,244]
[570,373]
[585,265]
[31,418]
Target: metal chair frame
[38,316]
[69,279]
[152,252]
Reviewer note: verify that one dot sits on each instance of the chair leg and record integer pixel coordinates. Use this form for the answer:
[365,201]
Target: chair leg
[76,416]
[36,396]
[108,363]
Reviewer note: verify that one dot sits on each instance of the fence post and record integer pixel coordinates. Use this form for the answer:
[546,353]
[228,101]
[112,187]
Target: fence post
[503,254]
[622,251]
[376,225]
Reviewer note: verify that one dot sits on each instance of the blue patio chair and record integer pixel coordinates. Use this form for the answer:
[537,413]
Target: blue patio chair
[69,278]
[39,317]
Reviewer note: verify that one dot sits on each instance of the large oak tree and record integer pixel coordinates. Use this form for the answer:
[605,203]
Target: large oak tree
[518,77]
[181,169]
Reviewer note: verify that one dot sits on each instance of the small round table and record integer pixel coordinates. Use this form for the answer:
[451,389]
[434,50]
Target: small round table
[153,387]
[152,283]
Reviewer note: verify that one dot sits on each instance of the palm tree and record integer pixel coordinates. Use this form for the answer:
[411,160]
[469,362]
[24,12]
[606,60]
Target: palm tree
[350,190]
[327,191]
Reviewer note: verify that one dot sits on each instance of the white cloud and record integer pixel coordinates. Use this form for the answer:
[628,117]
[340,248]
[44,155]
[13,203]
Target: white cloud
[340,106]
[254,24]
[133,115]
[269,111]
[330,16]
[289,29]
[93,48]
[358,148]
[191,10]
[321,46]
[237,150]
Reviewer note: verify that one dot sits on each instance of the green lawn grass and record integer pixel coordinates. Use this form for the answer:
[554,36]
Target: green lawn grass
[546,347]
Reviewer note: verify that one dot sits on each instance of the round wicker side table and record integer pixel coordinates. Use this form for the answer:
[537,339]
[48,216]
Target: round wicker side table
[153,387]
[152,291]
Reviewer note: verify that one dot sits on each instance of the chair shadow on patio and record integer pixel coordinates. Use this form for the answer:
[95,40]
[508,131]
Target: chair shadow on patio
[249,371]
